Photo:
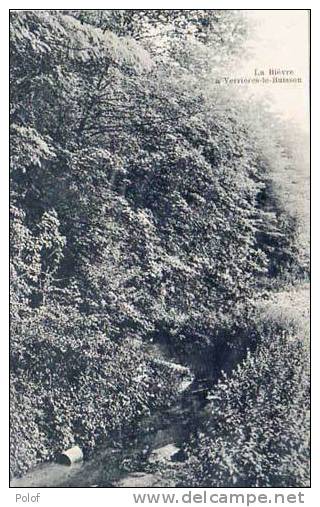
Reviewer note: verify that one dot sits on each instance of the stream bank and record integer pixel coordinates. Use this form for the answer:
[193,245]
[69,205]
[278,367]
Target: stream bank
[131,459]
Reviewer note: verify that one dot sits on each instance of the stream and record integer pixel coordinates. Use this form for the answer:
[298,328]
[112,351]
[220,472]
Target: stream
[130,458]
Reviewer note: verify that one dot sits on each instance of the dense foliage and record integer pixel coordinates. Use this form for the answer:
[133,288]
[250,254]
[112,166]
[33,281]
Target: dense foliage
[257,430]
[143,207]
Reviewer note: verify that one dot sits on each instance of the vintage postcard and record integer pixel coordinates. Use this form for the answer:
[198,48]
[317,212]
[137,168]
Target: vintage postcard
[159,251]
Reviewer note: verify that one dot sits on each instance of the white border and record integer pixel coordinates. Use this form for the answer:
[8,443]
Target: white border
[50,497]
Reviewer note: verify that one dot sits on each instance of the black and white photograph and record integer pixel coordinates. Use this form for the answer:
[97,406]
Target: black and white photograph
[159,249]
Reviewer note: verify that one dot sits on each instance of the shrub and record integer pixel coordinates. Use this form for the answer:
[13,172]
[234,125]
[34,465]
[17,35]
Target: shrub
[257,428]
